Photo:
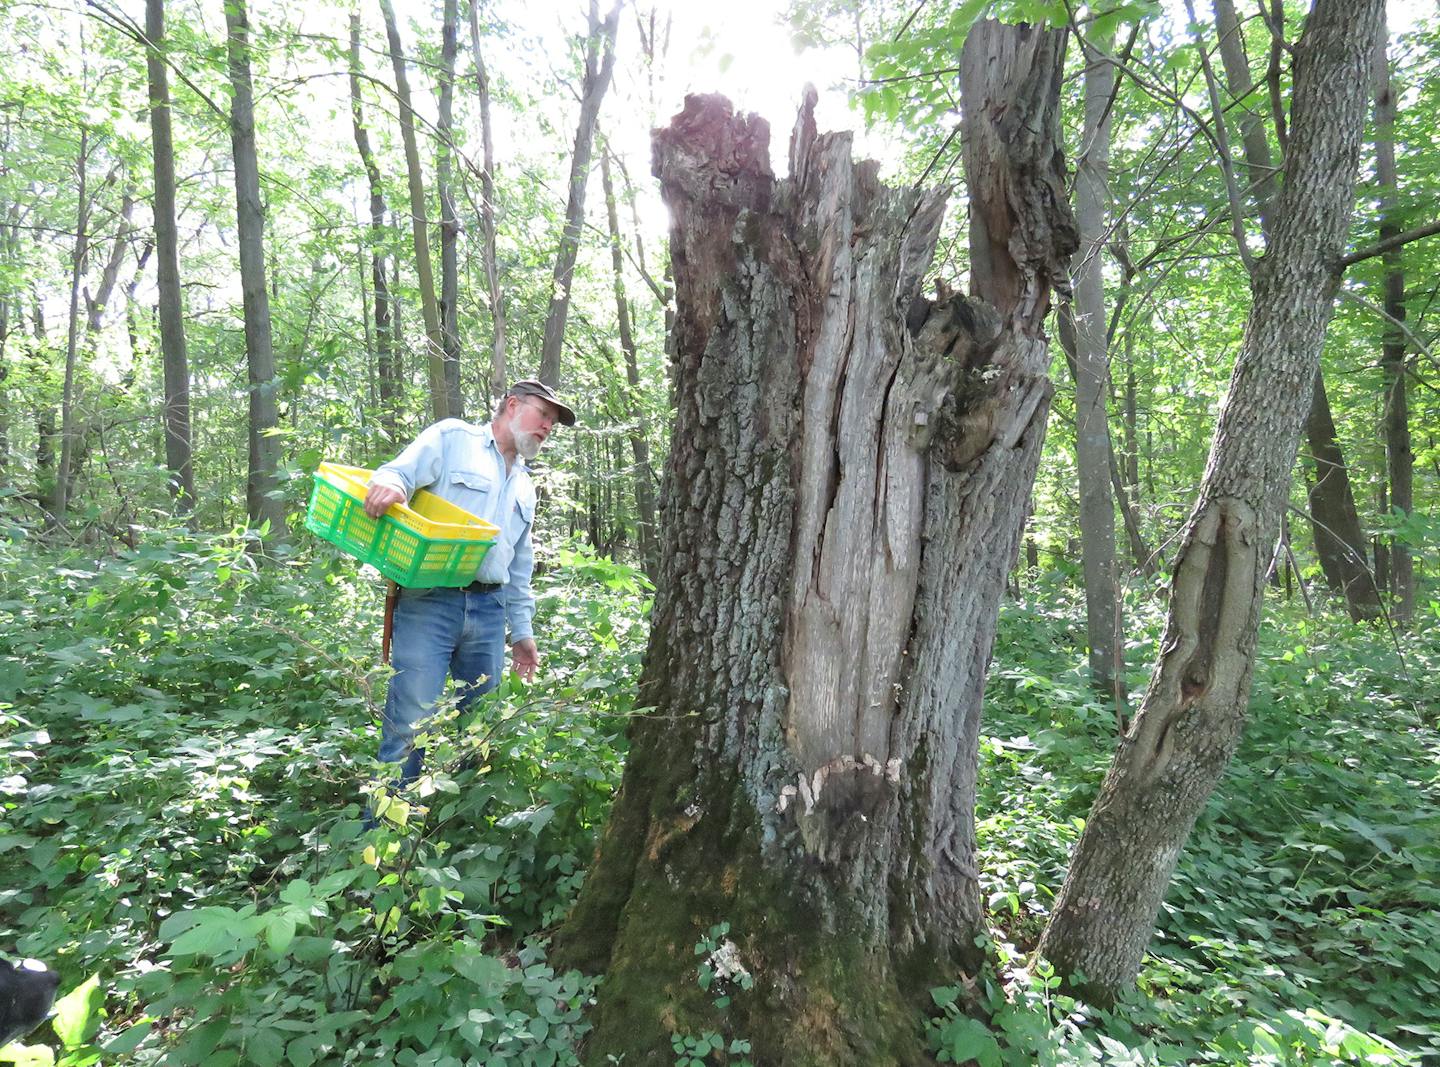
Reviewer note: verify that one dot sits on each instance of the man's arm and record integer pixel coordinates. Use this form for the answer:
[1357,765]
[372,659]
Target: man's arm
[520,608]
[414,468]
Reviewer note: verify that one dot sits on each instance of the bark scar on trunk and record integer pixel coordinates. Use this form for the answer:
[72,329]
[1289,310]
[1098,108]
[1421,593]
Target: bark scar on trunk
[1210,607]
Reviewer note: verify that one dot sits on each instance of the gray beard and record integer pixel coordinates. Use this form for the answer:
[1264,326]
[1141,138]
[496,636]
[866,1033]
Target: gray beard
[527,444]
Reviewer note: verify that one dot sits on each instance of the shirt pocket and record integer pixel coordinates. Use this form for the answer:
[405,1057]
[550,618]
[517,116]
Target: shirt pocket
[525,510]
[474,491]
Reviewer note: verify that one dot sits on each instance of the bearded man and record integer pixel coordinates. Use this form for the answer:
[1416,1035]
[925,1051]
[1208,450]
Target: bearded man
[461,632]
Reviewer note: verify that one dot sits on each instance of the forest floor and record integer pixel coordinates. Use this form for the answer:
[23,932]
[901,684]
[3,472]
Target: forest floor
[186,742]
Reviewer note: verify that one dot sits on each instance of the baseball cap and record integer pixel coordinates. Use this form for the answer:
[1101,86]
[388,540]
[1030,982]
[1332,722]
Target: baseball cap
[535,387]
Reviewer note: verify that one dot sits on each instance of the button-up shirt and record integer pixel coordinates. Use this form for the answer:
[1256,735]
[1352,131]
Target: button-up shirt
[462,464]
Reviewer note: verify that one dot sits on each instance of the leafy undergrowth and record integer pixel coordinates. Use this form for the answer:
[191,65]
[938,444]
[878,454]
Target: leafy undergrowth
[185,749]
[1301,926]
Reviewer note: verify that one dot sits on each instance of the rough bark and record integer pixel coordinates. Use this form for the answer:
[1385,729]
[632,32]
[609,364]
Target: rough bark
[599,66]
[1093,455]
[419,223]
[1399,458]
[639,443]
[1191,719]
[498,380]
[449,218]
[262,491]
[1334,519]
[179,458]
[385,369]
[850,471]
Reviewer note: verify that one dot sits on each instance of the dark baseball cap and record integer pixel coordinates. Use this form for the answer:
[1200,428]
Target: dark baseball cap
[535,387]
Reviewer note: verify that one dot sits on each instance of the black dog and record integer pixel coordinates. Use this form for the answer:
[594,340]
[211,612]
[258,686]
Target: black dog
[26,993]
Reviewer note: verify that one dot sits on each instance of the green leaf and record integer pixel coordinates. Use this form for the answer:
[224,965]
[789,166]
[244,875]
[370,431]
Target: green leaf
[75,1019]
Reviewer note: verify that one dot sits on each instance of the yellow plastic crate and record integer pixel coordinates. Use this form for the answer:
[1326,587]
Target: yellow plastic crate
[427,543]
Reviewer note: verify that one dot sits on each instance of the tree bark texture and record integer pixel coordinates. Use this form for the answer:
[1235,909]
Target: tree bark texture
[1191,719]
[850,471]
[262,491]
[498,380]
[1093,454]
[419,224]
[385,367]
[1334,519]
[1399,458]
[179,458]
[599,66]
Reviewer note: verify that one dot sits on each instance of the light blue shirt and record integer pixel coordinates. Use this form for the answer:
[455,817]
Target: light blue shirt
[462,464]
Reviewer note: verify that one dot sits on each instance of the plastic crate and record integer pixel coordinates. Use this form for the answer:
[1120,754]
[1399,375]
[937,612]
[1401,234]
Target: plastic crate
[428,543]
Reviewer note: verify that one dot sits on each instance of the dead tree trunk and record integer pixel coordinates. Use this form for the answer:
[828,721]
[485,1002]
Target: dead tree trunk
[850,471]
[1190,722]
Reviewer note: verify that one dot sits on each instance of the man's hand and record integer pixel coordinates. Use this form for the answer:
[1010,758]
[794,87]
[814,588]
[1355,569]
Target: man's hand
[379,499]
[525,658]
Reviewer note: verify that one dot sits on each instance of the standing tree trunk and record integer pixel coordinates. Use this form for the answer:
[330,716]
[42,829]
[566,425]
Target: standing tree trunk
[1190,722]
[59,499]
[179,460]
[385,369]
[850,471]
[498,382]
[639,443]
[1334,520]
[262,491]
[1399,459]
[1093,456]
[449,220]
[599,65]
[419,224]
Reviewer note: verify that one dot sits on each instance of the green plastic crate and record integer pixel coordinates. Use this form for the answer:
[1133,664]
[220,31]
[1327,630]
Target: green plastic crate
[423,545]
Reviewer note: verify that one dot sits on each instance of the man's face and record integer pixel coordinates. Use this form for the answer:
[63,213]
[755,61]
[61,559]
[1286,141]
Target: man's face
[531,420]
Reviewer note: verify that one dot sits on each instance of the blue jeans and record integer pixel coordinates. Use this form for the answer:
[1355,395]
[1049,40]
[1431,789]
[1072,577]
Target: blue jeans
[438,632]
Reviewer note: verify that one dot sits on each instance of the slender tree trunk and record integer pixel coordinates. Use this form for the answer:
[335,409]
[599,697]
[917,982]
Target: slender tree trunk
[498,381]
[262,491]
[850,472]
[179,454]
[599,65]
[1399,459]
[419,224]
[1339,544]
[385,372]
[449,219]
[1190,722]
[59,500]
[1334,519]
[634,415]
[1093,456]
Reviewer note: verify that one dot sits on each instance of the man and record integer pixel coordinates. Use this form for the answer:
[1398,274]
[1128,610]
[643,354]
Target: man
[461,632]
